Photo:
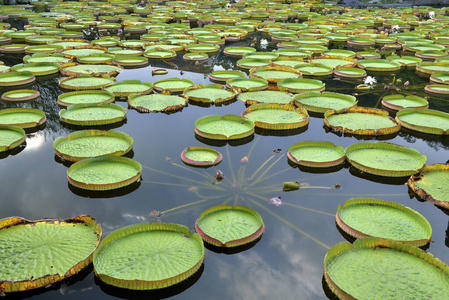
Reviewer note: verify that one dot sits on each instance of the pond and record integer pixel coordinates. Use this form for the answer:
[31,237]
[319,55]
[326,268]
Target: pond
[288,259]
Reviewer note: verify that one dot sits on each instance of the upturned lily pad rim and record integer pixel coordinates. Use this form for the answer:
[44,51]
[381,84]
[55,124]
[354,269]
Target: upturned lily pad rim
[15,143]
[32,95]
[201,163]
[205,98]
[172,90]
[320,86]
[436,77]
[95,58]
[157,54]
[86,92]
[245,63]
[374,243]
[91,133]
[218,75]
[347,98]
[19,110]
[125,93]
[349,72]
[229,118]
[231,83]
[238,52]
[377,202]
[316,164]
[253,72]
[93,122]
[386,103]
[203,48]
[385,146]
[29,78]
[327,70]
[65,69]
[421,128]
[124,61]
[362,110]
[372,65]
[414,61]
[24,285]
[106,186]
[278,126]
[195,56]
[63,82]
[142,227]
[421,193]
[232,243]
[182,103]
[425,68]
[438,89]
[54,68]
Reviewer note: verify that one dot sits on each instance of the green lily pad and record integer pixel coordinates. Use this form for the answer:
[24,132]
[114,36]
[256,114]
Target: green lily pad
[10,137]
[229,226]
[13,48]
[440,77]
[335,61]
[315,69]
[174,85]
[43,49]
[437,89]
[379,65]
[432,184]
[316,154]
[385,159]
[41,57]
[280,97]
[73,69]
[427,68]
[406,61]
[130,61]
[276,116]
[288,62]
[227,127]
[148,256]
[302,85]
[361,121]
[41,252]
[201,156]
[159,54]
[398,102]
[194,56]
[72,53]
[85,82]
[211,93]
[261,55]
[424,120]
[22,117]
[92,114]
[16,78]
[273,74]
[104,173]
[83,144]
[360,270]
[85,97]
[38,69]
[222,76]
[156,103]
[125,88]
[249,63]
[203,48]
[349,72]
[238,51]
[368,217]
[20,95]
[247,84]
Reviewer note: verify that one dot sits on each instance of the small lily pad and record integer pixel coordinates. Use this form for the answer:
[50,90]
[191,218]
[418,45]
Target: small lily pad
[223,76]
[398,102]
[156,103]
[316,154]
[20,95]
[85,97]
[174,85]
[424,120]
[201,156]
[22,117]
[228,127]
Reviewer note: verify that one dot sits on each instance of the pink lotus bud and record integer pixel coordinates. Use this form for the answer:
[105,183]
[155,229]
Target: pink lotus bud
[219,175]
[197,63]
[382,49]
[404,50]
[386,87]
[244,160]
[407,84]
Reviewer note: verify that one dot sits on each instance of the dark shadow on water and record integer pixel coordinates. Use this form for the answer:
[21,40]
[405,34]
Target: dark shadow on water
[360,136]
[379,179]
[222,143]
[268,132]
[150,294]
[13,151]
[209,104]
[35,129]
[18,87]
[231,250]
[319,170]
[327,291]
[105,194]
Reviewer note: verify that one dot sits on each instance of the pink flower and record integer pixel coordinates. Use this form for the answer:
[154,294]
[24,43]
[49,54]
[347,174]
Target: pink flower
[404,50]
[276,201]
[197,63]
[386,87]
[382,49]
[406,84]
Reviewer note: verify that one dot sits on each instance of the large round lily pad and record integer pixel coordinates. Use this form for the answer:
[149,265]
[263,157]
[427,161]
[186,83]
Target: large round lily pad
[201,156]
[85,97]
[385,159]
[222,76]
[85,82]
[279,97]
[22,117]
[10,137]
[432,184]
[379,65]
[210,93]
[361,121]
[273,74]
[92,114]
[148,256]
[125,88]
[37,253]
[73,69]
[373,268]
[156,103]
[368,217]
[20,95]
[247,84]
[227,127]
[229,226]
[92,143]
[16,78]
[104,173]
[398,102]
[320,103]
[301,85]
[317,154]
[424,120]
[275,116]
[174,85]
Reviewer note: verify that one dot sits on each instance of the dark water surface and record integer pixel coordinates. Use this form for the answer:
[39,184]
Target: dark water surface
[286,263]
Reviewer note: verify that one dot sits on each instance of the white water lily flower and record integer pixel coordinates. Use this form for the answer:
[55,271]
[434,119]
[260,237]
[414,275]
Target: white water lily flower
[431,14]
[263,43]
[395,27]
[370,80]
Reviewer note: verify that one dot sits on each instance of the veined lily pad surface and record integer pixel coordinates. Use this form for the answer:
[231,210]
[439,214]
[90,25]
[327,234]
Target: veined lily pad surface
[85,82]
[424,120]
[36,58]
[211,93]
[201,156]
[128,87]
[320,103]
[20,95]
[16,78]
[432,184]
[275,116]
[274,74]
[38,253]
[73,69]
[174,85]
[406,61]
[302,85]
[361,121]
[349,72]
[85,97]
[315,69]
[266,97]
[222,76]
[398,102]
[131,61]
[22,117]
[38,69]
[247,84]
[229,226]
[104,173]
[148,256]
[368,217]
[319,154]
[156,103]
[411,272]
[92,143]
[227,127]
[385,159]
[379,65]
[10,137]
[92,114]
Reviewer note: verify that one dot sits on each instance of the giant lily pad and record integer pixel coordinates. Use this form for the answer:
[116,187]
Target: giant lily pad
[10,137]
[210,93]
[125,88]
[16,78]
[227,127]
[85,82]
[38,69]
[385,159]
[427,68]
[335,61]
[201,156]
[203,48]
[440,77]
[320,103]
[39,253]
[318,154]
[437,89]
[424,120]
[280,97]
[73,69]
[249,63]
[349,72]
[174,85]
[276,116]
[130,61]
[398,102]
[229,226]
[379,65]
[361,121]
[104,173]
[41,57]
[301,85]
[148,256]
[85,97]
[92,143]
[432,184]
[315,69]
[20,95]
[247,84]
[406,61]
[156,103]
[159,54]
[92,114]
[273,74]
[22,117]
[238,51]
[359,271]
[368,217]
[222,76]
